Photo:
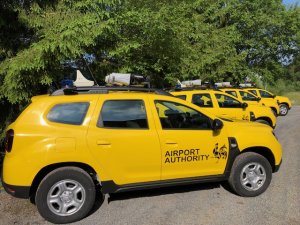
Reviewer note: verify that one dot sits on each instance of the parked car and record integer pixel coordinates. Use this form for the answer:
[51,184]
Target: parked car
[225,105]
[65,146]
[284,103]
[252,99]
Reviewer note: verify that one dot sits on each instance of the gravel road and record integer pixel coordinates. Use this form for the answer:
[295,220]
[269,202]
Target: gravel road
[195,204]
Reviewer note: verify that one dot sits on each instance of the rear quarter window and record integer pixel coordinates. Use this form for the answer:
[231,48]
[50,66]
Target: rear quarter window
[68,113]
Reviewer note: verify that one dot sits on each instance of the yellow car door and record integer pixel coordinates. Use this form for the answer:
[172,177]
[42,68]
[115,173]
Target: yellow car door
[230,107]
[123,139]
[190,148]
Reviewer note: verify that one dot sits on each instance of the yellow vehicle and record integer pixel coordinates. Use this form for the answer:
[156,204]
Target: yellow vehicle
[251,99]
[284,103]
[65,146]
[225,105]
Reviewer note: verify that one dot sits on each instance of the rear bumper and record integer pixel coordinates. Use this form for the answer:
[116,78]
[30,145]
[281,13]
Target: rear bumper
[17,191]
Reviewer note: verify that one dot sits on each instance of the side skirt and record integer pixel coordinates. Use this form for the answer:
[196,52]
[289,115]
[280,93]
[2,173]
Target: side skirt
[111,187]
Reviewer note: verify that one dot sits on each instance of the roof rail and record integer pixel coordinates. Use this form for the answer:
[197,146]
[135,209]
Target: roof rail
[105,90]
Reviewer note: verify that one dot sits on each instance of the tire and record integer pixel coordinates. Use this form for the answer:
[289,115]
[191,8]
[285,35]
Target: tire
[65,195]
[252,169]
[284,109]
[263,122]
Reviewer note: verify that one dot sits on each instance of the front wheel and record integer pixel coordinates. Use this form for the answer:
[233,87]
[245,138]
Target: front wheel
[65,195]
[250,175]
[283,109]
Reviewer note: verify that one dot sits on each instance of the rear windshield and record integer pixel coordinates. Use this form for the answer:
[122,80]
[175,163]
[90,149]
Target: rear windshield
[68,113]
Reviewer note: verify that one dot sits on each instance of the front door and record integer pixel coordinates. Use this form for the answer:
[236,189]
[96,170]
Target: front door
[231,108]
[190,148]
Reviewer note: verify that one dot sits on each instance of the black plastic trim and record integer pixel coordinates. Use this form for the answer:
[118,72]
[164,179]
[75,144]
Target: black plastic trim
[17,191]
[111,187]
[276,168]
[234,151]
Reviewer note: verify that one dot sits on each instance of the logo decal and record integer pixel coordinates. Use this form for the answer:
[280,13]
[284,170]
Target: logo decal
[220,153]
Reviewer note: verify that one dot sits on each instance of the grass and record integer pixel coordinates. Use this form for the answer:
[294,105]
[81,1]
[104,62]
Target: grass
[294,97]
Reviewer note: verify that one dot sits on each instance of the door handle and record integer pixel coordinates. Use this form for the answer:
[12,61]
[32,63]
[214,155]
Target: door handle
[171,142]
[100,142]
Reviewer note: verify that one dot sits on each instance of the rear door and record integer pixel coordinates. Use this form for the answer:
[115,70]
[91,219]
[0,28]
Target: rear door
[123,139]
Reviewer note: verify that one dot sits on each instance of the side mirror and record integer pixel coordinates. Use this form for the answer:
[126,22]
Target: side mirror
[274,96]
[258,99]
[244,105]
[217,124]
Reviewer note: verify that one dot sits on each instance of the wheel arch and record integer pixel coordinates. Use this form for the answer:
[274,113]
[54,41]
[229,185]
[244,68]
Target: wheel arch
[47,169]
[266,119]
[263,151]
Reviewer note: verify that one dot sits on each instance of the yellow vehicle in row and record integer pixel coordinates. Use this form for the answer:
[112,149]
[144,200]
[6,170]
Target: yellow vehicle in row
[251,99]
[65,146]
[284,103]
[225,105]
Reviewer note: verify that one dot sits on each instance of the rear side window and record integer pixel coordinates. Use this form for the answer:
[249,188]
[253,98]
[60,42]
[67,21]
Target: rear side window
[128,114]
[68,113]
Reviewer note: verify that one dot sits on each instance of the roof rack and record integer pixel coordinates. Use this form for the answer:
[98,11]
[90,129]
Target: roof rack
[190,88]
[105,90]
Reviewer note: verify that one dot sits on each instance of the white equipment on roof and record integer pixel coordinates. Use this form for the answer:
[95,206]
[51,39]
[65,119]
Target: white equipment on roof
[81,81]
[223,84]
[125,79]
[189,83]
[246,85]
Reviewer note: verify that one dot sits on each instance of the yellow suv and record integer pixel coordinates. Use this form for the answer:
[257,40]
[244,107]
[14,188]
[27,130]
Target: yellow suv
[65,146]
[225,105]
[252,99]
[284,103]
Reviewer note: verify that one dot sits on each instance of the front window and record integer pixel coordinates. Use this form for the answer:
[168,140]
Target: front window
[202,100]
[177,116]
[233,93]
[128,114]
[248,96]
[253,92]
[265,94]
[183,97]
[225,101]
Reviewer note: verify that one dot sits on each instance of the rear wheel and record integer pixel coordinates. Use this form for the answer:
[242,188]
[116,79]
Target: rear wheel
[284,109]
[65,195]
[250,175]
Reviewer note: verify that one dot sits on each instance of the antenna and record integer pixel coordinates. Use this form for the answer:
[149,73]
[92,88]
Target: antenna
[90,71]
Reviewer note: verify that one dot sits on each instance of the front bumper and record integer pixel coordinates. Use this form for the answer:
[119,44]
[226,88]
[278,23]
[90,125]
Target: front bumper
[276,168]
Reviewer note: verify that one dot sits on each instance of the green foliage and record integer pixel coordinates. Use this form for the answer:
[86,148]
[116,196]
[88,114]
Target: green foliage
[166,40]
